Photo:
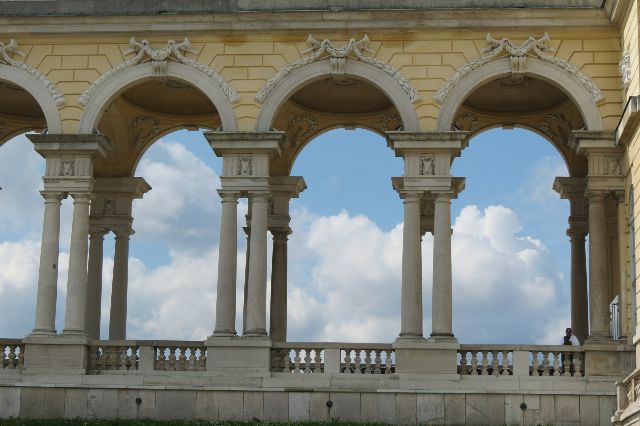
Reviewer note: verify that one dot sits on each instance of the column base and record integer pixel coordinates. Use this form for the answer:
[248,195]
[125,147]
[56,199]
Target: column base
[60,354]
[43,332]
[239,356]
[75,333]
[224,333]
[410,336]
[260,332]
[442,338]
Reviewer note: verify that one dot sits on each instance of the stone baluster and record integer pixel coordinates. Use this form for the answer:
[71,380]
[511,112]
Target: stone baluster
[317,361]
[347,360]
[307,360]
[485,363]
[545,364]
[389,362]
[556,364]
[505,363]
[296,360]
[474,363]
[495,366]
[378,361]
[535,364]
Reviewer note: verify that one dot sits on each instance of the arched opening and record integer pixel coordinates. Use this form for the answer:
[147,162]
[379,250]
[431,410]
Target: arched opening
[345,249]
[510,251]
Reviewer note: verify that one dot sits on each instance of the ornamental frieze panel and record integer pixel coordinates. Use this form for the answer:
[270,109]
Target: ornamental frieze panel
[142,129]
[159,58]
[7,53]
[532,47]
[300,127]
[625,69]
[356,50]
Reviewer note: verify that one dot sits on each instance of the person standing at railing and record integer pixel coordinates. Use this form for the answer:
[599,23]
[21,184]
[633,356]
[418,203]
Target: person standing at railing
[569,340]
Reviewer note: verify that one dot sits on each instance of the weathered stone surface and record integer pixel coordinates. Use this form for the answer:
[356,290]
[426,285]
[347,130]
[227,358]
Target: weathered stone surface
[454,409]
[406,408]
[253,405]
[540,409]
[9,402]
[172,405]
[318,410]
[607,406]
[102,403]
[206,405]
[75,403]
[387,408]
[129,409]
[430,409]
[54,402]
[589,410]
[276,406]
[513,414]
[32,402]
[484,409]
[567,408]
[230,405]
[346,406]
[369,407]
[299,406]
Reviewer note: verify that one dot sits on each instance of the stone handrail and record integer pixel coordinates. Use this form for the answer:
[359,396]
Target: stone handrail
[133,355]
[521,360]
[12,354]
[332,357]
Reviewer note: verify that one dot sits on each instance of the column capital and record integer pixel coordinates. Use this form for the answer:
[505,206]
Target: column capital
[97,231]
[123,231]
[53,196]
[260,196]
[280,233]
[226,144]
[228,196]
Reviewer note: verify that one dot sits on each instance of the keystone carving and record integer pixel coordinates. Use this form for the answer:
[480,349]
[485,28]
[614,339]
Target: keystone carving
[625,69]
[159,59]
[146,127]
[518,54]
[321,50]
[6,53]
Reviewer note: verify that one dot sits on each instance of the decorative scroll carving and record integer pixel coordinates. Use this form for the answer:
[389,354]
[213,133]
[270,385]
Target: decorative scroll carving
[625,69]
[150,128]
[159,59]
[67,168]
[5,58]
[245,166]
[300,126]
[427,166]
[390,121]
[557,126]
[354,49]
[517,54]
[466,121]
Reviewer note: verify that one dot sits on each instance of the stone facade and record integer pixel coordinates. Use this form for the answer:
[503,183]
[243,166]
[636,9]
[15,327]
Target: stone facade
[107,81]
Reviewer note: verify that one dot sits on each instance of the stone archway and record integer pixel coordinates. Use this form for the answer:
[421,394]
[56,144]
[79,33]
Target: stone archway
[112,87]
[39,91]
[324,69]
[582,99]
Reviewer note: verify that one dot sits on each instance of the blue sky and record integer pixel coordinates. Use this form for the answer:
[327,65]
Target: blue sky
[511,255]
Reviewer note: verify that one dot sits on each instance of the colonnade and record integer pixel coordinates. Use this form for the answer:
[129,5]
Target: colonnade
[103,205]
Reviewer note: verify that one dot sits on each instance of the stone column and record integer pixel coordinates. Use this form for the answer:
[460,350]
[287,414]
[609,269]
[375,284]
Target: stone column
[278,312]
[247,256]
[411,304]
[579,302]
[598,268]
[227,266]
[94,282]
[257,288]
[120,283]
[77,280]
[48,273]
[441,309]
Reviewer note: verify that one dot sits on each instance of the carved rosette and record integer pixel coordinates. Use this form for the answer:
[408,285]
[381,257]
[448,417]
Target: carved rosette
[159,59]
[7,51]
[324,50]
[517,54]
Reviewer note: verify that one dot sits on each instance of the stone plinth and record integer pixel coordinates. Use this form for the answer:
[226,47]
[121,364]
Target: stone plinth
[238,356]
[56,354]
[419,356]
[608,359]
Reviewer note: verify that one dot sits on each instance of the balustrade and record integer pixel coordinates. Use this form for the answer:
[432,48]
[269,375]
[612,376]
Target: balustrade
[506,360]
[180,356]
[12,354]
[313,358]
[113,356]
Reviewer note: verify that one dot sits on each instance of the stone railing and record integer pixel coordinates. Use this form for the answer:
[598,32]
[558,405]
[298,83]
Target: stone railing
[521,360]
[314,358]
[12,354]
[132,355]
[628,391]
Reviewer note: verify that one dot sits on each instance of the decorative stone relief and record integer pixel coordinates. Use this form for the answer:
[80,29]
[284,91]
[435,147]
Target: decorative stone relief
[390,121]
[67,168]
[557,126]
[159,59]
[517,55]
[109,207]
[321,50]
[466,121]
[427,166]
[245,166]
[6,58]
[299,127]
[614,166]
[143,128]
[625,69]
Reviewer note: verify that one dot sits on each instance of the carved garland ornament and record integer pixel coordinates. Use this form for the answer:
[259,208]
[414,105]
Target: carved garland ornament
[5,58]
[518,55]
[159,59]
[321,50]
